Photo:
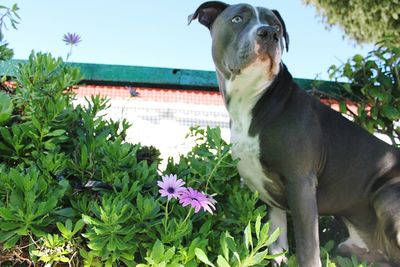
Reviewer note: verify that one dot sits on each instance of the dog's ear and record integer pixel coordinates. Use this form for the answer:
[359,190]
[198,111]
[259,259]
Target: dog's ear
[285,34]
[207,12]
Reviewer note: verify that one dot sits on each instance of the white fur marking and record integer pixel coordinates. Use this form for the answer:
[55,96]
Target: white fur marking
[244,92]
[257,14]
[354,237]
[398,238]
[278,219]
[257,25]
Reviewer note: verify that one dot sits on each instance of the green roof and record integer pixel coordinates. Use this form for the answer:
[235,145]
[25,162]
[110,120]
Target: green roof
[159,77]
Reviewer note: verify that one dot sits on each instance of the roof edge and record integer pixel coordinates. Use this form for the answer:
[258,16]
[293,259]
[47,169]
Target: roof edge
[106,74]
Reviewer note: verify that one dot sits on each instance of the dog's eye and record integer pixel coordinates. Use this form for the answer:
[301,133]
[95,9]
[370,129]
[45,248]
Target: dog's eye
[277,27]
[237,19]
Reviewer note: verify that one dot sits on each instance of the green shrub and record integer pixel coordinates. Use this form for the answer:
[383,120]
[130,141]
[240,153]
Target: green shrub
[111,230]
[374,86]
[73,190]
[26,206]
[8,17]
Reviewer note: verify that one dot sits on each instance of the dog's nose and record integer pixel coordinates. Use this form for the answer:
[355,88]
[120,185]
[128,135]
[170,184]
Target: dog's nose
[267,32]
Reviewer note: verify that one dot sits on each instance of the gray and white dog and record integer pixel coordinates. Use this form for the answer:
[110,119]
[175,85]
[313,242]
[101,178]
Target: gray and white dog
[302,157]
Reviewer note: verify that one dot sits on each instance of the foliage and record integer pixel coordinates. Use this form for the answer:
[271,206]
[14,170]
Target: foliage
[246,253]
[73,190]
[5,52]
[53,249]
[375,87]
[8,16]
[25,208]
[6,107]
[112,229]
[361,20]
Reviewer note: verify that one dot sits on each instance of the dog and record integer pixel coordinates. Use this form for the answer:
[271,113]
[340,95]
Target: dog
[299,154]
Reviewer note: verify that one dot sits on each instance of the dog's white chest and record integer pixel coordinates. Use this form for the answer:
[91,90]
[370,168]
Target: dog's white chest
[244,146]
[247,149]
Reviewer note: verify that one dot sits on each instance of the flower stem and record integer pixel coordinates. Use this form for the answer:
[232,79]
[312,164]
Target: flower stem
[214,170]
[166,217]
[188,215]
[69,53]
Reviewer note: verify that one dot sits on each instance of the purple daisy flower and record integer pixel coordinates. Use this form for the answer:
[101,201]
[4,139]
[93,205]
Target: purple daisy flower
[71,38]
[197,200]
[171,187]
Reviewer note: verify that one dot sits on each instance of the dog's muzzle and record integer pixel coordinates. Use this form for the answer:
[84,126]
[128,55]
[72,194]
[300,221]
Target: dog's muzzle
[267,33]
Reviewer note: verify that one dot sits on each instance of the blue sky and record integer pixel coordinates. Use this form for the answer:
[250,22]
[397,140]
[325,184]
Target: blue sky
[155,33]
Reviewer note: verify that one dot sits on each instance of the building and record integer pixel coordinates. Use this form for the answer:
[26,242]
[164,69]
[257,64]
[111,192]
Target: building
[161,103]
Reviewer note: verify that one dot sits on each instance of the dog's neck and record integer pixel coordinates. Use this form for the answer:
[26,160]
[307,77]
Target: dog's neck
[277,87]
[274,98]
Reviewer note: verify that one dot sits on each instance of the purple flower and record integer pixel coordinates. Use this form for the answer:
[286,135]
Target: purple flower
[71,39]
[171,187]
[197,200]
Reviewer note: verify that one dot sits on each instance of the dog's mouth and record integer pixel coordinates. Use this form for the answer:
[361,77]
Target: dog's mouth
[266,58]
[266,50]
[270,54]
[265,54]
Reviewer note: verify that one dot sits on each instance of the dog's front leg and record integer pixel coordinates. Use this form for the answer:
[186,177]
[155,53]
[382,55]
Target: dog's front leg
[303,207]
[278,220]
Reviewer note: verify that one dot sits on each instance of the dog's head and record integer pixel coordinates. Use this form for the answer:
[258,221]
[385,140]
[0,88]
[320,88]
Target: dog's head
[243,35]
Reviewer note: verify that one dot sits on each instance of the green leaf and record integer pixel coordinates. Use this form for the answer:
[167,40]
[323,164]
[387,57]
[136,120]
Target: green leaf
[87,219]
[248,239]
[222,262]
[84,156]
[329,245]
[8,225]
[257,226]
[78,226]
[269,257]
[64,259]
[63,230]
[6,235]
[36,123]
[6,107]
[259,257]
[237,256]
[205,228]
[11,242]
[169,254]
[358,58]
[224,245]
[50,145]
[68,224]
[7,214]
[56,133]
[203,257]
[264,233]
[273,237]
[230,242]
[158,251]
[347,71]
[391,112]
[66,212]
[343,107]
